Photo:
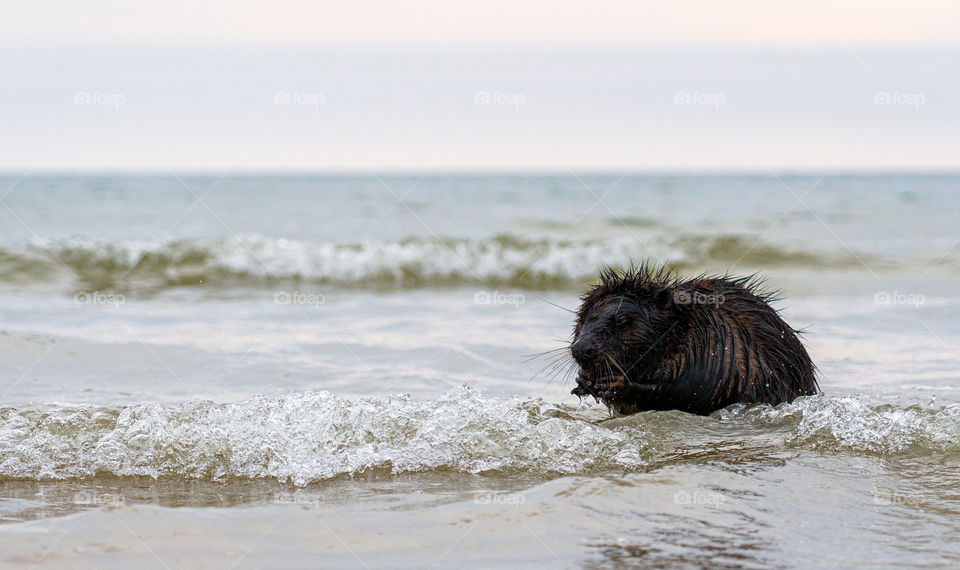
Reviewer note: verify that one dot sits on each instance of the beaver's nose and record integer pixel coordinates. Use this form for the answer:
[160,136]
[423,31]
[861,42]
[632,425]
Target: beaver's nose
[584,350]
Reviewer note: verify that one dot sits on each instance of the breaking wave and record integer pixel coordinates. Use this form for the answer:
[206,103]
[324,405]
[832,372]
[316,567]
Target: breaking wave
[308,437]
[313,436]
[850,423]
[503,260]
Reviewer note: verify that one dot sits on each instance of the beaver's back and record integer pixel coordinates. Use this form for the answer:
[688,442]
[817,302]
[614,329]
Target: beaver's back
[740,346]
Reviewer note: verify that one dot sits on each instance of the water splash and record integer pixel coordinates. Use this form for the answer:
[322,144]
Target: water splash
[310,436]
[855,423]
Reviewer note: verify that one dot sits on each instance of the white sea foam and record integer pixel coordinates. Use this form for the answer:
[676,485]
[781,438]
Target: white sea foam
[858,424]
[311,436]
[409,263]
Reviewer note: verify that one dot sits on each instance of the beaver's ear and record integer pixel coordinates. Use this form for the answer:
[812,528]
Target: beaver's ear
[663,298]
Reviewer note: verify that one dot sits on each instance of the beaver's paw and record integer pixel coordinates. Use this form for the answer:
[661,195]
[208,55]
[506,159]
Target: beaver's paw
[623,392]
[612,388]
[585,387]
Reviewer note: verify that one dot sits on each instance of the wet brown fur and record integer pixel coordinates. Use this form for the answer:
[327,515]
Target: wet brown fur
[647,340]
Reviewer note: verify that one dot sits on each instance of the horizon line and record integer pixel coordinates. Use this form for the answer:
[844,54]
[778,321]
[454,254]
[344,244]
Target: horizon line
[474,171]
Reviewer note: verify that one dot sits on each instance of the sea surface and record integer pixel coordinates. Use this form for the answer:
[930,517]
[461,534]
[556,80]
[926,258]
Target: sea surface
[368,371]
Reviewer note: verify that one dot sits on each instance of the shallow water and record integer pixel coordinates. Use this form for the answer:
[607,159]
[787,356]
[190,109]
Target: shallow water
[302,371]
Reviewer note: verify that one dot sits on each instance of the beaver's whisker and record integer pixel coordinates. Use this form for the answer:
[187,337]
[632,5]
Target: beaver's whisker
[565,373]
[552,364]
[555,305]
[529,357]
[573,367]
[618,366]
[558,368]
[557,365]
[606,365]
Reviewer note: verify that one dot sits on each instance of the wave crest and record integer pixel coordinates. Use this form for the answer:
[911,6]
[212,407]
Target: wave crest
[313,436]
[850,423]
[503,260]
[309,437]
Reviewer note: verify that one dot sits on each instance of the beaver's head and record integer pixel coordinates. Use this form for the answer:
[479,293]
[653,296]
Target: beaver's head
[613,329]
[620,329]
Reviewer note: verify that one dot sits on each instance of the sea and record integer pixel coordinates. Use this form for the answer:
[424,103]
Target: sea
[370,370]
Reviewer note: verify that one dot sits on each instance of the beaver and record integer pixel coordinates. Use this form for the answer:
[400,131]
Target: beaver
[645,339]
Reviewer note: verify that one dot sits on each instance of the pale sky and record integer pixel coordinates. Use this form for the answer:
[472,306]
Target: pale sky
[686,23]
[494,85]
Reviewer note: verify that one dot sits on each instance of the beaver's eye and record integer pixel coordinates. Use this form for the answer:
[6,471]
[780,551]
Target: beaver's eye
[621,319]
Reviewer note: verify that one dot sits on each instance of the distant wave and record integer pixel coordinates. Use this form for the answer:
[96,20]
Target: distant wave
[504,260]
[312,436]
